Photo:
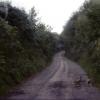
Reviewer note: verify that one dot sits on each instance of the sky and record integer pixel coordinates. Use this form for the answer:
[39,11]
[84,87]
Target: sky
[51,12]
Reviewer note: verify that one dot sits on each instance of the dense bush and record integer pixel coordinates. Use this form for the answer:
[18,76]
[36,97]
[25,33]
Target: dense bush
[82,38]
[25,46]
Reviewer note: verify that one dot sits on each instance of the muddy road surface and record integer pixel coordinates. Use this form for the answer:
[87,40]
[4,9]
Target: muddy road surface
[62,80]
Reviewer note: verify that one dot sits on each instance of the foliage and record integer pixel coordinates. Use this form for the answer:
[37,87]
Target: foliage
[82,38]
[25,46]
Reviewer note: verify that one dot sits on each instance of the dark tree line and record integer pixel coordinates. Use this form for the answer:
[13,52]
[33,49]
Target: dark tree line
[82,38]
[26,47]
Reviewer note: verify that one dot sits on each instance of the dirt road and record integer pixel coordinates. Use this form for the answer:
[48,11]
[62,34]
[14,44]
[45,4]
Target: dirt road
[57,82]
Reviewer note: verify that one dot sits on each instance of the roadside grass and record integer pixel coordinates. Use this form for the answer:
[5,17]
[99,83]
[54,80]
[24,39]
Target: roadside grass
[91,70]
[15,77]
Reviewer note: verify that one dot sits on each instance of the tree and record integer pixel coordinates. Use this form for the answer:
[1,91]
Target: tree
[81,35]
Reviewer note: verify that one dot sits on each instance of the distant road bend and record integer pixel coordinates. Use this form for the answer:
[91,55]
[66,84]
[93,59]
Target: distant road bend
[57,82]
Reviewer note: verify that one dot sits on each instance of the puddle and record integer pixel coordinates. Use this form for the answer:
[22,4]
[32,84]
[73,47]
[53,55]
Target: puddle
[17,92]
[58,84]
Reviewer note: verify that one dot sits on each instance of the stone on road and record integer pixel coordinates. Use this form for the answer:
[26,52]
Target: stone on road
[62,80]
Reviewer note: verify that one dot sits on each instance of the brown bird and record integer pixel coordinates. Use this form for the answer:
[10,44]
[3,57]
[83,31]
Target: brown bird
[77,82]
[89,82]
